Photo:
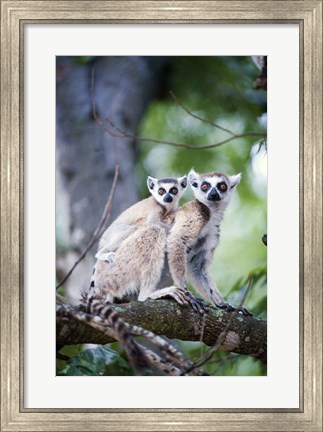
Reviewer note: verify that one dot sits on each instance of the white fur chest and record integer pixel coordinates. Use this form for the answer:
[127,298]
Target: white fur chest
[211,232]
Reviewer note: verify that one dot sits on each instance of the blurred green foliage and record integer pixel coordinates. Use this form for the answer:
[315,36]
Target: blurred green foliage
[219,89]
[94,361]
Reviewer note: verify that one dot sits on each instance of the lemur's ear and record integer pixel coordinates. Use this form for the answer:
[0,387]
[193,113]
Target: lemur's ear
[151,182]
[183,181]
[234,180]
[193,178]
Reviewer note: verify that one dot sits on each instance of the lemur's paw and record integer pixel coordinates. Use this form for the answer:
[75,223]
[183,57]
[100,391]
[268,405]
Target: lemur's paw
[226,306]
[197,304]
[108,257]
[178,294]
[244,311]
[230,308]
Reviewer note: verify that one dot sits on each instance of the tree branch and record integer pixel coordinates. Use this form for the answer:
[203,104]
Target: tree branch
[123,134]
[247,335]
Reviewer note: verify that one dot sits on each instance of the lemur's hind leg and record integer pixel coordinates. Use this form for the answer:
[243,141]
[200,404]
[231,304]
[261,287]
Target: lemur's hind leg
[138,265]
[150,261]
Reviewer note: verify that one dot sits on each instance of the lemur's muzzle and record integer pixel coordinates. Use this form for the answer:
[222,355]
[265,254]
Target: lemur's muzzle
[213,195]
[168,198]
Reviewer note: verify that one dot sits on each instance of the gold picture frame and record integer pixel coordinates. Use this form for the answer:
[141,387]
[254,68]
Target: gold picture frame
[14,14]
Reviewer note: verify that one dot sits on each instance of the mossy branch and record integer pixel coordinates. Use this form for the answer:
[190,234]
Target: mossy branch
[247,335]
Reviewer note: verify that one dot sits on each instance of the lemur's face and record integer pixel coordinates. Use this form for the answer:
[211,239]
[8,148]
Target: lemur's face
[212,188]
[167,191]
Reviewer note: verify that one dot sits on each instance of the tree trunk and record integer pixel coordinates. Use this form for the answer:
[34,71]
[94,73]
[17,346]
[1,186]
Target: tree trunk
[86,155]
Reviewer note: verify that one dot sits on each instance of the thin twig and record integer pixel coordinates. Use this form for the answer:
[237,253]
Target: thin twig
[124,134]
[98,231]
[223,334]
[60,300]
[203,120]
[219,361]
[207,121]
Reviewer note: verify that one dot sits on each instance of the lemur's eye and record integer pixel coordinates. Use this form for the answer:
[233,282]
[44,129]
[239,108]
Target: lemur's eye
[161,191]
[174,191]
[205,187]
[222,186]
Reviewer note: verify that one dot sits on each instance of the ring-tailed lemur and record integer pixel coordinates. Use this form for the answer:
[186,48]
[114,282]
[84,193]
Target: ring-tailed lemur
[137,243]
[196,233]
[157,209]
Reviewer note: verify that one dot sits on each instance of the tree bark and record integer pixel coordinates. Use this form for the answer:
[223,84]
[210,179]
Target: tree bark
[86,155]
[246,335]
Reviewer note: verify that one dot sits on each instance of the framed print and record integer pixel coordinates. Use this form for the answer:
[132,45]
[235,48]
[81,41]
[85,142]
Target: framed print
[179,76]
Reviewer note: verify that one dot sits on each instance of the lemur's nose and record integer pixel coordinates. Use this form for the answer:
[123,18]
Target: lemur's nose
[168,198]
[213,195]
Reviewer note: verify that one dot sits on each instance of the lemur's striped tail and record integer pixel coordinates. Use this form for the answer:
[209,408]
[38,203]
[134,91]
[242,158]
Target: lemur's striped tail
[100,315]
[85,294]
[101,312]
[121,329]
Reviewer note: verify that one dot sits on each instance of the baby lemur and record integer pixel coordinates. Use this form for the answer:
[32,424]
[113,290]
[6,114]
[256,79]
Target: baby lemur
[196,233]
[132,250]
[158,209]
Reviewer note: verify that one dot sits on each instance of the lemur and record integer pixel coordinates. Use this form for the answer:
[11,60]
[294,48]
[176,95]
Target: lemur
[132,251]
[196,233]
[158,209]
